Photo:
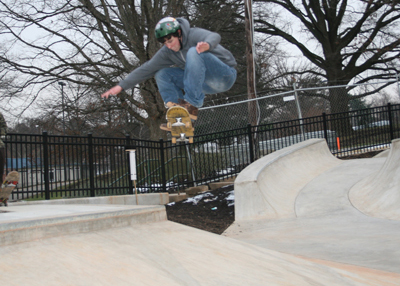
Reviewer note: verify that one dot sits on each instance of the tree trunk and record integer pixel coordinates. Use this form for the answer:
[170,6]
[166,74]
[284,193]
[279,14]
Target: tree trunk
[339,101]
[155,132]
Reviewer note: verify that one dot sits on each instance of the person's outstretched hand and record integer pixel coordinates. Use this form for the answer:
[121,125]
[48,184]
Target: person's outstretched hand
[112,91]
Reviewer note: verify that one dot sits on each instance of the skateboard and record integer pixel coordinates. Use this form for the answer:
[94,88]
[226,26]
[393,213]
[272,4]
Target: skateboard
[180,123]
[8,186]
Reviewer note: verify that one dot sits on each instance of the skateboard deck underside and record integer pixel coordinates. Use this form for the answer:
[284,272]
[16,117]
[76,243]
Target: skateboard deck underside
[180,123]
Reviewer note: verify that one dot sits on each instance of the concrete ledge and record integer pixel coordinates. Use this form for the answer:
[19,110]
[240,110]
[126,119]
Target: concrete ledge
[268,188]
[142,199]
[33,222]
[217,185]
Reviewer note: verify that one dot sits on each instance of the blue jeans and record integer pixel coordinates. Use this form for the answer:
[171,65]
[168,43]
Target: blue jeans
[203,74]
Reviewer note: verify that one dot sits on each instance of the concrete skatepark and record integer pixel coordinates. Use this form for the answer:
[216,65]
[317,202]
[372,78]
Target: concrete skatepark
[302,217]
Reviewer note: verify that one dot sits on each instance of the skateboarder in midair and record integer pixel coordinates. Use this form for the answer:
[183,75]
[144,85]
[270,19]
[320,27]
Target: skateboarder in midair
[190,64]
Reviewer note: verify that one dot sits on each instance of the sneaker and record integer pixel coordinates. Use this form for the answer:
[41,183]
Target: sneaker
[164,126]
[9,184]
[193,111]
[170,104]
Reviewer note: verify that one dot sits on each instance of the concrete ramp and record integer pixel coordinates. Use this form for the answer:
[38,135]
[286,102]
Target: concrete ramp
[309,234]
[166,253]
[379,195]
[268,187]
[317,220]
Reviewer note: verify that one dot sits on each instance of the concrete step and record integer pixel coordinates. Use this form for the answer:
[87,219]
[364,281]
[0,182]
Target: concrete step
[217,185]
[194,191]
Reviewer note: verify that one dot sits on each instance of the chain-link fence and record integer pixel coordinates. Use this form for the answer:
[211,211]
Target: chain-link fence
[296,104]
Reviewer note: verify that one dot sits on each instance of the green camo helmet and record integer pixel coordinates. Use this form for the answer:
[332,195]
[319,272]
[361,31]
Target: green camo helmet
[166,26]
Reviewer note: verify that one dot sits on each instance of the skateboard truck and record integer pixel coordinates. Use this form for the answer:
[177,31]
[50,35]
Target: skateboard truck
[178,123]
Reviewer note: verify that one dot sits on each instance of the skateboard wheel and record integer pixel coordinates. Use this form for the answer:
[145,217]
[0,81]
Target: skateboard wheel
[173,140]
[190,140]
[169,125]
[187,124]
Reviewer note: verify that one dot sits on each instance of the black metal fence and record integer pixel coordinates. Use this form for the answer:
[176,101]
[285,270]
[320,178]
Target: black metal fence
[87,166]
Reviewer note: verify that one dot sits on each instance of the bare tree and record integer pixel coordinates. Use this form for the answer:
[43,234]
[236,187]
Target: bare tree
[8,89]
[344,40]
[95,44]
[87,43]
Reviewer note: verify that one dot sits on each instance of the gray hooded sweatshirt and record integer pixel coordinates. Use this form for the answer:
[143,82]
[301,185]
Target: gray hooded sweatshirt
[165,57]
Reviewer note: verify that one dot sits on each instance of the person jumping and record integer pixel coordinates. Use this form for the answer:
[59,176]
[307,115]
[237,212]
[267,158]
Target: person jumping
[190,64]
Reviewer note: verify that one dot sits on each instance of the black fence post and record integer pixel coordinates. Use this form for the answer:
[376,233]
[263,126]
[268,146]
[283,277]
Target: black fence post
[325,126]
[251,143]
[390,122]
[162,160]
[91,166]
[46,165]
